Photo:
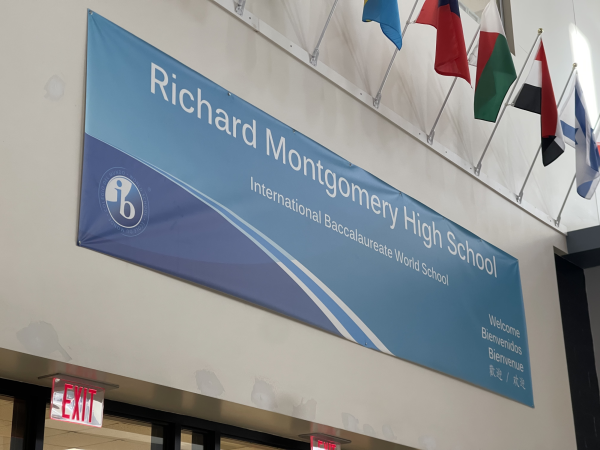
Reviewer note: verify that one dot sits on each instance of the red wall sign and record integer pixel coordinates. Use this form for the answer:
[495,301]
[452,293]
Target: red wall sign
[75,401]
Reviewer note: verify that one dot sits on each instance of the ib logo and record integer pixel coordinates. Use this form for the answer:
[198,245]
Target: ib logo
[123,201]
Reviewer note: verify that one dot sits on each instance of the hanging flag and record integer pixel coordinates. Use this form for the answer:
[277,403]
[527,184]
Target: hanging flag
[495,69]
[537,96]
[450,51]
[577,130]
[386,13]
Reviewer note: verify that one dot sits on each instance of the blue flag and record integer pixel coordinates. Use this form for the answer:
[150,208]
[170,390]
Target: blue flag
[577,129]
[385,12]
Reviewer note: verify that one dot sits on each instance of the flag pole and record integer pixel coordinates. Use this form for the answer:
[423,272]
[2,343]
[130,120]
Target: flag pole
[431,134]
[520,196]
[557,221]
[314,56]
[478,167]
[377,98]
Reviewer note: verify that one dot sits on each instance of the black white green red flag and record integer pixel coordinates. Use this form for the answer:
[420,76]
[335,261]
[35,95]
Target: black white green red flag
[495,69]
[537,96]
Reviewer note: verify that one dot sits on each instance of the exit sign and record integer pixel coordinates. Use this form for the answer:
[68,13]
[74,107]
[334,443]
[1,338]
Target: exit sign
[77,402]
[322,443]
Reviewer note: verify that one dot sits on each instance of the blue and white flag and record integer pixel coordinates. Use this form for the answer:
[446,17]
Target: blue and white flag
[577,129]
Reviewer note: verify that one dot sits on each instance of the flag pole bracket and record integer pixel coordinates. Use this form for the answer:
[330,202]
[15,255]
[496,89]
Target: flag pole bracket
[520,194]
[557,220]
[314,57]
[377,100]
[430,137]
[239,6]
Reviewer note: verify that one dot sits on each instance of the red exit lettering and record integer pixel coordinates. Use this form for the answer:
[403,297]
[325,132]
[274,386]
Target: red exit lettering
[323,445]
[77,403]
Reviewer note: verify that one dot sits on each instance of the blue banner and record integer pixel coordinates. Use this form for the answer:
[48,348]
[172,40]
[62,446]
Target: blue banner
[183,177]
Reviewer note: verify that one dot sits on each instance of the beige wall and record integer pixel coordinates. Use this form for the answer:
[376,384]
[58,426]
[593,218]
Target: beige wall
[118,318]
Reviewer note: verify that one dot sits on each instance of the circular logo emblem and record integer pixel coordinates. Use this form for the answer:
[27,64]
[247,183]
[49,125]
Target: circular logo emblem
[123,201]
